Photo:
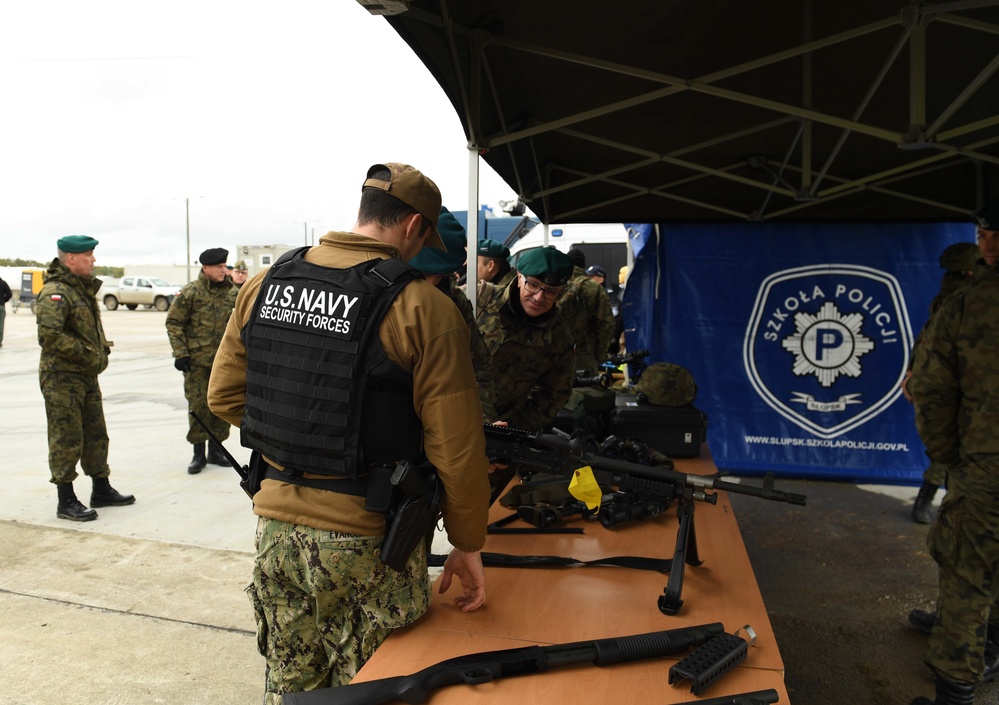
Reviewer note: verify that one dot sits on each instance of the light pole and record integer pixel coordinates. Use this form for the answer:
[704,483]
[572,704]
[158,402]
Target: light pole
[305,227]
[187,219]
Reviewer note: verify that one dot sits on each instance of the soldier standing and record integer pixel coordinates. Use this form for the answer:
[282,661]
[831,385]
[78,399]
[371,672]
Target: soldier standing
[195,323]
[5,296]
[958,262]
[379,375]
[586,304]
[74,352]
[955,390]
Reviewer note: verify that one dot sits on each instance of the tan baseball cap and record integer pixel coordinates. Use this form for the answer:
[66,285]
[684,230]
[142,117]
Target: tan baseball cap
[410,186]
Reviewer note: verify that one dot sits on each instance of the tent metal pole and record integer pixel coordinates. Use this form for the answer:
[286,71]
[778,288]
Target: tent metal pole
[472,231]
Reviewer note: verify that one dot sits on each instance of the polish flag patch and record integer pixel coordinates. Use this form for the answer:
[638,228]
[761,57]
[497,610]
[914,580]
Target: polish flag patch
[56,297]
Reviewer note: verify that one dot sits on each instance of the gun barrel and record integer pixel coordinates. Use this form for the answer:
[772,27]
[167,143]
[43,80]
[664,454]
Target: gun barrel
[767,491]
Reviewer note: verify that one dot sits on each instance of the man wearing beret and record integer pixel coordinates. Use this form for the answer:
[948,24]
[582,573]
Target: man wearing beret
[239,273]
[74,352]
[493,263]
[339,362]
[438,267]
[529,342]
[195,324]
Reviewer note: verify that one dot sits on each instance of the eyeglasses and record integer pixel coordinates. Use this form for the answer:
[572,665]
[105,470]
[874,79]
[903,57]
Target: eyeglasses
[533,288]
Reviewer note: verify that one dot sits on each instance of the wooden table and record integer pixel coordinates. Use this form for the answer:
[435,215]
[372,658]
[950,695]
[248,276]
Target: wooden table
[528,606]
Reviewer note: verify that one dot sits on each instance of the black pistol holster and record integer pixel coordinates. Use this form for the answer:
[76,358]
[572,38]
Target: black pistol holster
[410,498]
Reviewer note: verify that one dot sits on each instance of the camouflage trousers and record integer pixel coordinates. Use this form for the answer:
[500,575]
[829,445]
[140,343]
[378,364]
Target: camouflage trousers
[74,408]
[196,391]
[935,474]
[964,541]
[324,602]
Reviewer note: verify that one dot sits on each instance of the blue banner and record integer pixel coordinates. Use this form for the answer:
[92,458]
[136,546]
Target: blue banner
[798,336]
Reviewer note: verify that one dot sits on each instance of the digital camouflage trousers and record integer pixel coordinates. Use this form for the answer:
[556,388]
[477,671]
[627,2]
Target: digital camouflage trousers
[324,602]
[964,541]
[74,408]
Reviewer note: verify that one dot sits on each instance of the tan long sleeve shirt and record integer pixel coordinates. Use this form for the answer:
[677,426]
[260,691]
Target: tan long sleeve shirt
[424,334]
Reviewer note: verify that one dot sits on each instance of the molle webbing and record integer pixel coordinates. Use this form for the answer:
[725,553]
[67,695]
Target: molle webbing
[313,354]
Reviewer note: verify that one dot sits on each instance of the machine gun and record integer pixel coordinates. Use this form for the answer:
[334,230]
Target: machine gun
[475,669]
[551,453]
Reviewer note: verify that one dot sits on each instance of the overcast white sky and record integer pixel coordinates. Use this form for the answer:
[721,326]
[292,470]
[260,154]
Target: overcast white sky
[266,115]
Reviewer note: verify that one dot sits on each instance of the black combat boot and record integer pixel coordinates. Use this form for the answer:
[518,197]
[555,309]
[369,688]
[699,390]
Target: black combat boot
[216,456]
[70,507]
[922,620]
[949,694]
[198,461]
[104,495]
[922,509]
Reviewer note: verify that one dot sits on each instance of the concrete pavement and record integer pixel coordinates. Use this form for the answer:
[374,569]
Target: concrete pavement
[145,604]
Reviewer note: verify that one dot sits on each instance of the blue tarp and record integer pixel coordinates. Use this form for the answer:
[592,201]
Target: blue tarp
[797,335]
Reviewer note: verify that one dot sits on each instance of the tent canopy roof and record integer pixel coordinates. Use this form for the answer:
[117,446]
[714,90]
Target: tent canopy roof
[724,110]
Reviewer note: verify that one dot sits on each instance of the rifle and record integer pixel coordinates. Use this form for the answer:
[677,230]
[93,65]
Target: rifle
[475,669]
[242,470]
[545,452]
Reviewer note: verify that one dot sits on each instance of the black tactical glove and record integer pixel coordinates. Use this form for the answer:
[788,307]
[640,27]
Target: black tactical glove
[182,363]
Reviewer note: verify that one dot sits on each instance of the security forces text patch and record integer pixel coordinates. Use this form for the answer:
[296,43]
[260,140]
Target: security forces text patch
[309,307]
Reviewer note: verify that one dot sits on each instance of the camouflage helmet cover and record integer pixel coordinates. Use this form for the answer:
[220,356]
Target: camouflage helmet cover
[960,257]
[666,384]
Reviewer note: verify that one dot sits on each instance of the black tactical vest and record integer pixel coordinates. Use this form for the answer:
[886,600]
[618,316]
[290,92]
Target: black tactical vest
[321,395]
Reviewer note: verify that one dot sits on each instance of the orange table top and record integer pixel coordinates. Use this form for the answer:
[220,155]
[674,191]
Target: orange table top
[528,606]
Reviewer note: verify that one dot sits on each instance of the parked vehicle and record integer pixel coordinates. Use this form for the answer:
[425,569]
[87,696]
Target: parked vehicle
[151,292]
[31,284]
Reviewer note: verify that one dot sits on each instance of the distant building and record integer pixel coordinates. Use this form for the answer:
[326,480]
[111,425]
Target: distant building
[258,257]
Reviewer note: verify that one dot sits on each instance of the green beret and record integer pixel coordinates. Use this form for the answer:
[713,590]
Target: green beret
[76,243]
[547,264]
[432,260]
[491,248]
[215,255]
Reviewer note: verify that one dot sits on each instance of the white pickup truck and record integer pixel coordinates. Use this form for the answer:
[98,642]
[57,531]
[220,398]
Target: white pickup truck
[151,292]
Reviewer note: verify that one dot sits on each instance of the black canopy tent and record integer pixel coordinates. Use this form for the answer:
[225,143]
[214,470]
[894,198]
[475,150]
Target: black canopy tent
[722,110]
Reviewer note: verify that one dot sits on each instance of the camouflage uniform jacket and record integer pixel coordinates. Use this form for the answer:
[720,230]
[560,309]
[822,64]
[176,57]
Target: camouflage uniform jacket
[588,306]
[952,282]
[955,378]
[506,278]
[531,358]
[69,324]
[197,319]
[480,354]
